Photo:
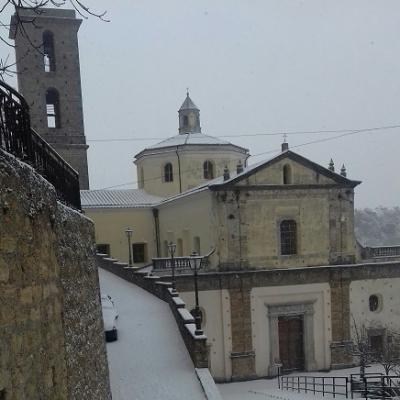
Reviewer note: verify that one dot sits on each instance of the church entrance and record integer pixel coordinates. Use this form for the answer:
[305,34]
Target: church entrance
[291,342]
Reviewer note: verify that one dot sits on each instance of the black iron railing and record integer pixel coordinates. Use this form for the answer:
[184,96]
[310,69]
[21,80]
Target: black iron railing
[322,385]
[375,386]
[18,138]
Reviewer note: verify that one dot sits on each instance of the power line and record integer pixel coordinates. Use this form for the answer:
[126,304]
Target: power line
[348,133]
[366,130]
[312,132]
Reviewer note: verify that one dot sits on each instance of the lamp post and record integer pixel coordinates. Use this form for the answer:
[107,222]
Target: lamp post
[171,250]
[195,264]
[129,233]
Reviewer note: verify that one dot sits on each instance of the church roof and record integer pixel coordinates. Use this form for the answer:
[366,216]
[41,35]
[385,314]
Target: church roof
[188,104]
[117,198]
[190,139]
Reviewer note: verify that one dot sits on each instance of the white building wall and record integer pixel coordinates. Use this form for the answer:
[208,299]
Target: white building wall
[262,297]
[387,314]
[215,305]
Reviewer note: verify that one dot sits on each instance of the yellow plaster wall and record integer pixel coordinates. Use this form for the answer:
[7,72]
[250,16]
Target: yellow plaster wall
[191,166]
[110,225]
[186,218]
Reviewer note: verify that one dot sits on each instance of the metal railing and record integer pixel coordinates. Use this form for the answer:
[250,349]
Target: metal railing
[18,138]
[166,263]
[375,385]
[325,385]
[384,251]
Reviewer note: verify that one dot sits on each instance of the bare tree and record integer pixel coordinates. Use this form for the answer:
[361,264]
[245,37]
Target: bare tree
[36,6]
[389,357]
[361,347]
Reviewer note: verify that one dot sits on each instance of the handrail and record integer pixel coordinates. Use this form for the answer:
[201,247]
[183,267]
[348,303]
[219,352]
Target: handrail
[326,385]
[374,385]
[18,138]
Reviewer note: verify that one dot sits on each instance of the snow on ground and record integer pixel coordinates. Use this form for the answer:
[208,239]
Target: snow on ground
[261,389]
[149,360]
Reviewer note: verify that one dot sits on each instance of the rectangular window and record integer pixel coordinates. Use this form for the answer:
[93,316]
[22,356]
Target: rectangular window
[139,251]
[103,248]
[288,231]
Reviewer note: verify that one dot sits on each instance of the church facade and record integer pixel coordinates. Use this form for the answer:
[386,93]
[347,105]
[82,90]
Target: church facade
[285,279]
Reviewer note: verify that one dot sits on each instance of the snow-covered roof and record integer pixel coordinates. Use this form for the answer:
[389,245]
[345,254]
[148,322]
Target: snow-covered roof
[188,104]
[189,138]
[117,198]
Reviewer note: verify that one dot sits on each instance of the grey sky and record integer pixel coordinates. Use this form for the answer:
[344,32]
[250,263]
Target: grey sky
[252,67]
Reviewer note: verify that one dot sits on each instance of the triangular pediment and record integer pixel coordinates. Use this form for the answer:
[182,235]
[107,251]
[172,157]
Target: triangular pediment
[289,169]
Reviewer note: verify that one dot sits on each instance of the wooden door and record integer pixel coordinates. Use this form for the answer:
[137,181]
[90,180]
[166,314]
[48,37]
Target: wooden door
[291,343]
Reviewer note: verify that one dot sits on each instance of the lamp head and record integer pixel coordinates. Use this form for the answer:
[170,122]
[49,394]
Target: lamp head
[171,248]
[195,261]
[128,232]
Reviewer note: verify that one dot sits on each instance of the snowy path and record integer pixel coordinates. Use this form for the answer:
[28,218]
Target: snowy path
[149,360]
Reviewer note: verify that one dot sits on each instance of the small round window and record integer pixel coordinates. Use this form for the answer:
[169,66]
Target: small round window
[374,302]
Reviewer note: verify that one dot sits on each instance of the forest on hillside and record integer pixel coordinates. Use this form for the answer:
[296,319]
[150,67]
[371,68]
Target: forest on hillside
[378,227]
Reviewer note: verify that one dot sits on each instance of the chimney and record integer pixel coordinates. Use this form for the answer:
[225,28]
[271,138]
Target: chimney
[226,173]
[285,146]
[239,167]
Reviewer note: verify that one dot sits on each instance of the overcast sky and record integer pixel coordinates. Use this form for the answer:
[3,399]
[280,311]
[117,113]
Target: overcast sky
[253,67]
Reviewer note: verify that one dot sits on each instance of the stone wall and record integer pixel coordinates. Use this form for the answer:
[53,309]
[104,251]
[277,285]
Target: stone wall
[51,331]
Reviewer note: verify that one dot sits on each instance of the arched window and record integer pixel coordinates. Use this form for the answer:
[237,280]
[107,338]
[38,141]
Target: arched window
[53,108]
[208,170]
[288,230]
[168,173]
[196,244]
[48,52]
[287,174]
[185,120]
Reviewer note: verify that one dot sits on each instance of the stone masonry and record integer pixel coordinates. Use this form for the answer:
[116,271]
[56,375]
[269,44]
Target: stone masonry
[51,331]
[68,139]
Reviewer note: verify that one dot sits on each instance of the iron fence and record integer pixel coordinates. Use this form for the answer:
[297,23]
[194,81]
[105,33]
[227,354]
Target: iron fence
[325,385]
[375,386]
[18,138]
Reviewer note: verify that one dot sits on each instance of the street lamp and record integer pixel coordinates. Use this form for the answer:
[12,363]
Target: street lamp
[171,250]
[195,264]
[129,233]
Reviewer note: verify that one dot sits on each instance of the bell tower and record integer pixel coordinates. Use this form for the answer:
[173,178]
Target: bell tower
[48,70]
[189,117]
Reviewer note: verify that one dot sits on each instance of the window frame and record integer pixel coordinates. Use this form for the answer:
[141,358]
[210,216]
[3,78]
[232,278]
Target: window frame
[288,242]
[208,170]
[287,174]
[52,99]
[168,175]
[49,58]
[143,253]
